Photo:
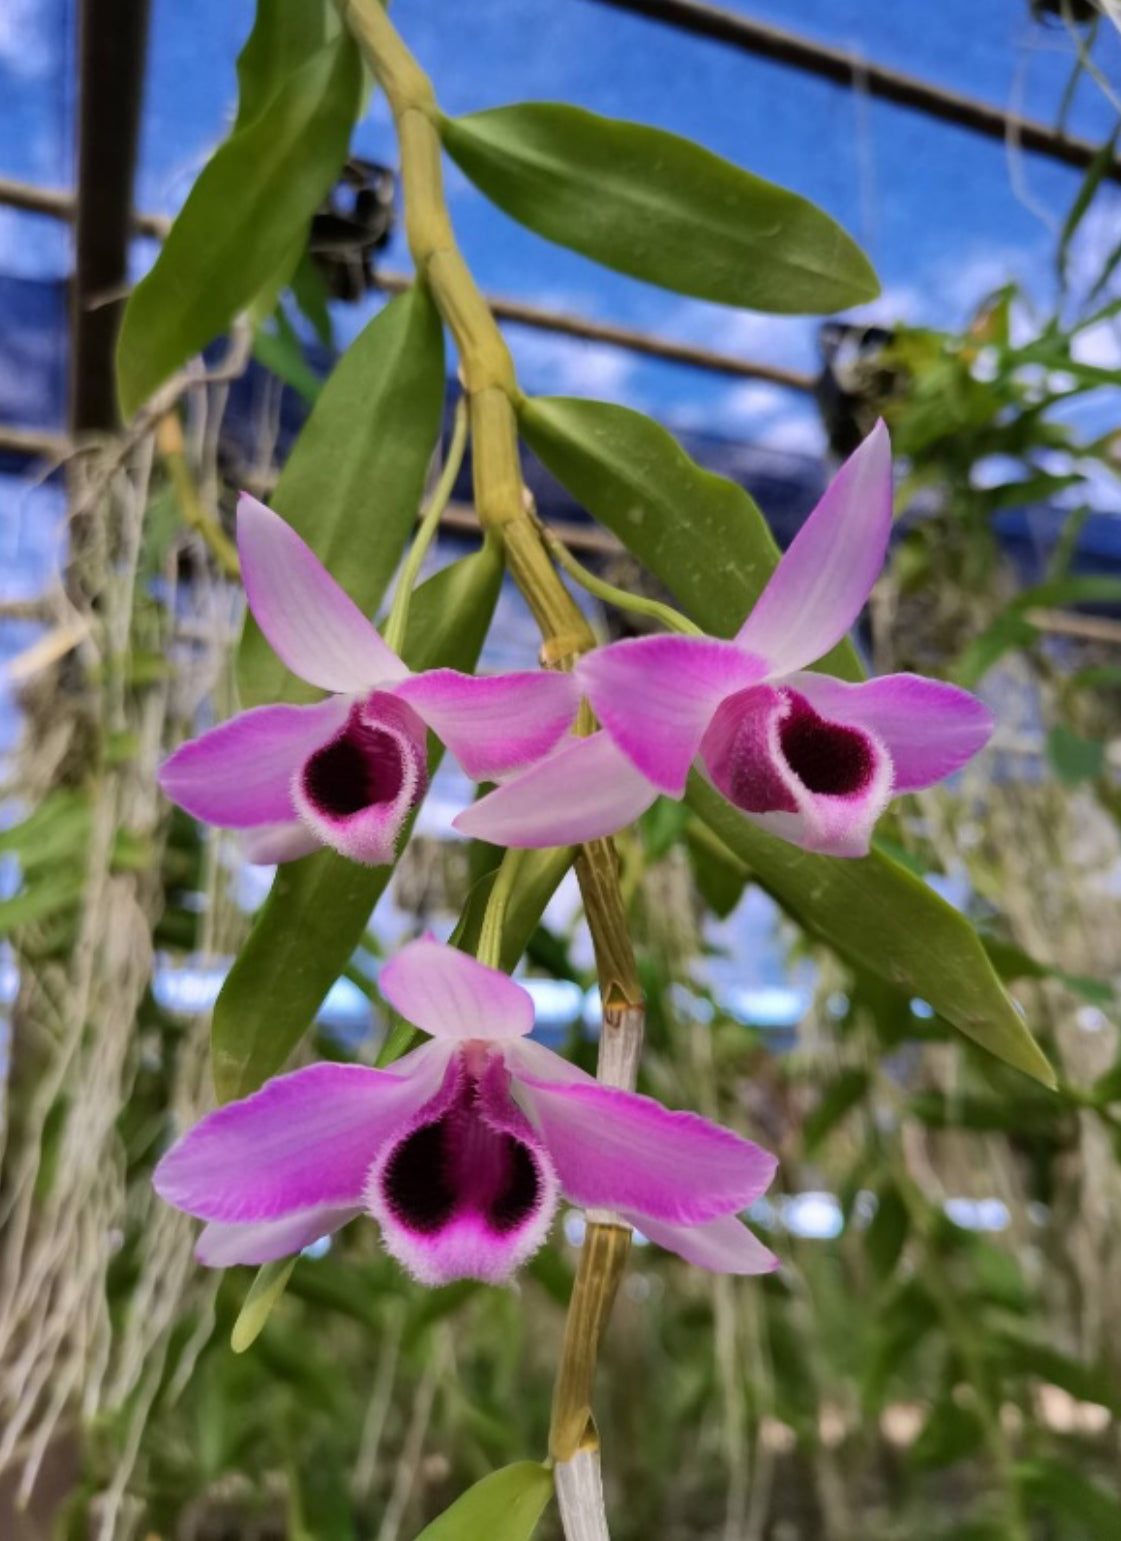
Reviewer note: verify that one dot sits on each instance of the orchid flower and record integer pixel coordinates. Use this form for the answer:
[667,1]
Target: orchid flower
[346,771]
[461,1149]
[811,758]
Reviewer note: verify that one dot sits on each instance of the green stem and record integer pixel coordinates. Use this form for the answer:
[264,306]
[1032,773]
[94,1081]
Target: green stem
[492,389]
[670,618]
[494,919]
[429,524]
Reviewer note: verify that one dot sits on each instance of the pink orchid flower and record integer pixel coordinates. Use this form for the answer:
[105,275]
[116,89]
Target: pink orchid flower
[808,757]
[346,771]
[461,1149]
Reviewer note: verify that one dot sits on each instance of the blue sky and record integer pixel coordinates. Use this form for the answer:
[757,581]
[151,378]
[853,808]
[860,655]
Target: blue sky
[944,215]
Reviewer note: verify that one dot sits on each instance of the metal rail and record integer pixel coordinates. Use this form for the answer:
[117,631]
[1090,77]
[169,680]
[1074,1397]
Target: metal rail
[57,204]
[847,69]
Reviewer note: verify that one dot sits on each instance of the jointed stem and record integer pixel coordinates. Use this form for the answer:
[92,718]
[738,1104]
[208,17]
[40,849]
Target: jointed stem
[491,385]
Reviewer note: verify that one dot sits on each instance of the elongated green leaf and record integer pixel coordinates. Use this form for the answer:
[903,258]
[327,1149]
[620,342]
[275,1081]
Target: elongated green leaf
[883,918]
[317,909]
[838,1098]
[1013,626]
[1091,1511]
[1099,168]
[353,482]
[539,877]
[244,219]
[46,895]
[502,1507]
[660,208]
[285,34]
[699,533]
[264,1293]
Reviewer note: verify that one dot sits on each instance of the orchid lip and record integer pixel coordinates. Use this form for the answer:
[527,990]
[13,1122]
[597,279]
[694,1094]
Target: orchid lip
[468,1191]
[355,791]
[764,745]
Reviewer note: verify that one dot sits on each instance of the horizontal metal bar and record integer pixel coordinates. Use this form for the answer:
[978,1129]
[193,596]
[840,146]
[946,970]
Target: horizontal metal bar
[849,69]
[626,337]
[38,444]
[60,205]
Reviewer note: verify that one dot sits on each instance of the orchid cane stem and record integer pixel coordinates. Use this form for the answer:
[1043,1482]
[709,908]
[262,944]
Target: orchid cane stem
[429,524]
[492,388]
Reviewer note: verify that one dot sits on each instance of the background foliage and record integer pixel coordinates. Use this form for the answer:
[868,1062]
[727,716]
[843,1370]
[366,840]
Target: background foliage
[912,1374]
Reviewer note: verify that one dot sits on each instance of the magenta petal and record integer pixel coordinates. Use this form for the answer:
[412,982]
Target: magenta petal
[929,729]
[304,1141]
[822,582]
[451,995]
[269,844]
[264,1241]
[468,1190]
[656,696]
[817,783]
[616,1150]
[583,790]
[356,791]
[722,1246]
[240,774]
[496,723]
[310,623]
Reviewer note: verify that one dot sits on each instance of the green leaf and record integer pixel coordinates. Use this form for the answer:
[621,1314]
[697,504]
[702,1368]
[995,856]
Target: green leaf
[719,877]
[502,1507]
[838,1097]
[950,1433]
[539,877]
[1065,1493]
[1042,1361]
[699,533]
[659,208]
[46,895]
[1012,962]
[355,478]
[1100,167]
[279,350]
[264,1293]
[884,919]
[317,909]
[974,1110]
[1074,758]
[1013,627]
[285,33]
[887,1231]
[244,220]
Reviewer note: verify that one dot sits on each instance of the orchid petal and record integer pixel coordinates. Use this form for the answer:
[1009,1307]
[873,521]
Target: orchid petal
[817,783]
[239,774]
[617,1150]
[356,791]
[305,1140]
[270,844]
[724,1245]
[930,729]
[225,1246]
[656,696]
[822,582]
[453,996]
[585,789]
[494,724]
[309,621]
[468,1190]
